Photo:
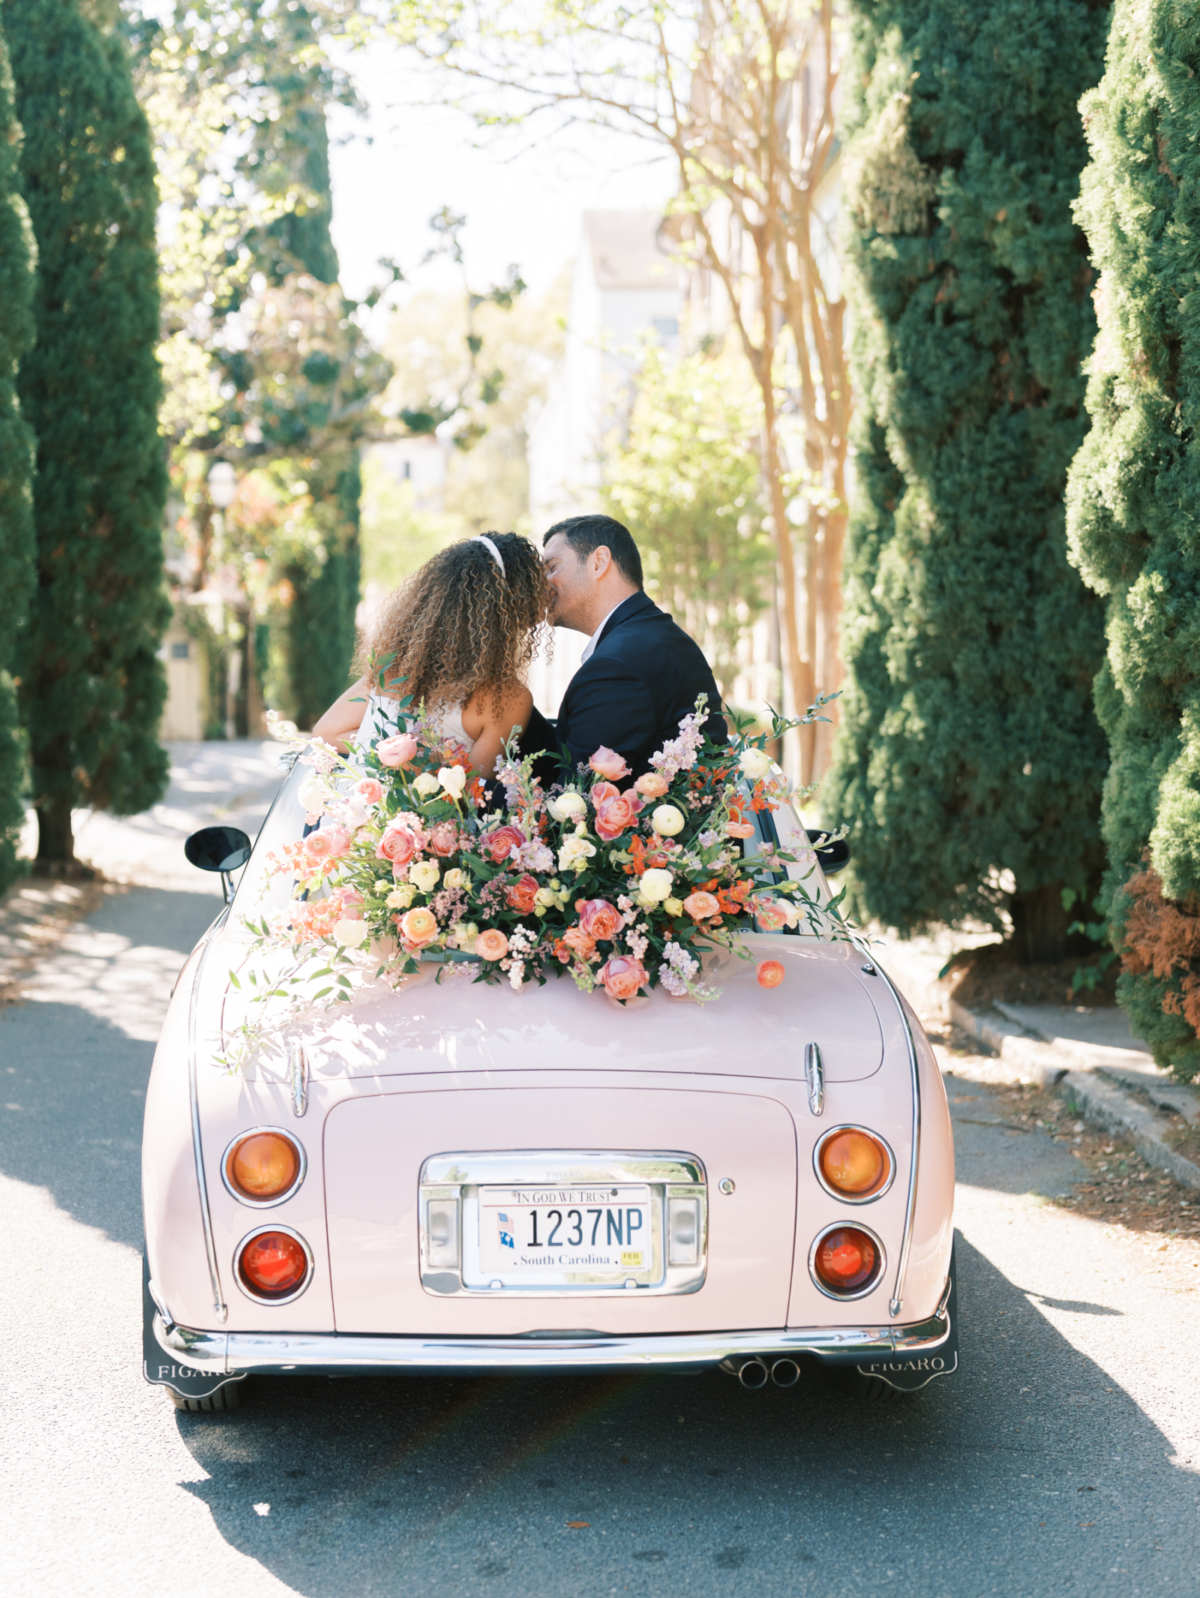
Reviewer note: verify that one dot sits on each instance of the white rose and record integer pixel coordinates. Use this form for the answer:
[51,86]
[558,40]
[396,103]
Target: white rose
[656,886]
[755,763]
[545,899]
[465,934]
[400,898]
[314,795]
[667,821]
[350,934]
[673,907]
[424,875]
[455,879]
[426,784]
[453,780]
[566,805]
[575,853]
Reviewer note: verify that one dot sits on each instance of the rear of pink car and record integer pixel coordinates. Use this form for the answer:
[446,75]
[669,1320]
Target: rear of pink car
[457,1178]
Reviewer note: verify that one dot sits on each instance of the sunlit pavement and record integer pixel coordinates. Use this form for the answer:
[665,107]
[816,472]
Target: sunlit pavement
[1062,1460]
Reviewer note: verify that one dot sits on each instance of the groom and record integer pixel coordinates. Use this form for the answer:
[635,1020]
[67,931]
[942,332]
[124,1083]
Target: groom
[640,673]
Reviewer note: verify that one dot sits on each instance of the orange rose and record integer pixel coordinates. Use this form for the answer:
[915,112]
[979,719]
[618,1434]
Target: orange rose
[701,905]
[491,944]
[578,941]
[501,842]
[417,928]
[521,894]
[622,976]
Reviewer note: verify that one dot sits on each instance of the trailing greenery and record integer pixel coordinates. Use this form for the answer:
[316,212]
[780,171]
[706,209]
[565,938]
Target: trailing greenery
[1134,507]
[969,749]
[91,685]
[16,463]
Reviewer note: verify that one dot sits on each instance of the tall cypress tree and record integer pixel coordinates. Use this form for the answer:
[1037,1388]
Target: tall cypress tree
[1134,505]
[92,688]
[16,462]
[969,746]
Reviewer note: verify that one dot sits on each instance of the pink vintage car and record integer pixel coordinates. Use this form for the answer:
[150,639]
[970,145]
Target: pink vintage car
[453,1178]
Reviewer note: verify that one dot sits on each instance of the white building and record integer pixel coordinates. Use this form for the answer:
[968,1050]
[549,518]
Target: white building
[624,287]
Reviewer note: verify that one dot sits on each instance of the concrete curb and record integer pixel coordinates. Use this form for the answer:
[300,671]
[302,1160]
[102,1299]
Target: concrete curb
[1087,1088]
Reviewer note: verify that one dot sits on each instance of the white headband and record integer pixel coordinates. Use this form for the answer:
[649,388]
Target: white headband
[482,538]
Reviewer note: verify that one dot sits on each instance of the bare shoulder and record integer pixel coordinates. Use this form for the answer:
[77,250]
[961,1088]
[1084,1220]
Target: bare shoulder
[483,710]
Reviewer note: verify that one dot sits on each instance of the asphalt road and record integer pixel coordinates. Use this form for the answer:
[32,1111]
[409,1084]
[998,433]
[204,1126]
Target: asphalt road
[1063,1459]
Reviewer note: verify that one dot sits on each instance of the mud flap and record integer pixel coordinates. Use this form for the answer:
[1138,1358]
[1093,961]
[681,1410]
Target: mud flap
[163,1367]
[909,1375]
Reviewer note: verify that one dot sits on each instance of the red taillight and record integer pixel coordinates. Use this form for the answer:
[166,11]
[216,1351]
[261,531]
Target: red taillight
[273,1264]
[847,1260]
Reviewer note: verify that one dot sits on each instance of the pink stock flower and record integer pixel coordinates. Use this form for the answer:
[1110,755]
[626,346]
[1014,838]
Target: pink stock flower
[491,944]
[417,927]
[615,813]
[701,905]
[598,918]
[622,976]
[500,843]
[443,839]
[398,844]
[652,785]
[370,790]
[396,751]
[326,845]
[608,763]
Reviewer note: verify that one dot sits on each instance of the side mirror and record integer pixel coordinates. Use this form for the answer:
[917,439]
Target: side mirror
[221,849]
[833,856]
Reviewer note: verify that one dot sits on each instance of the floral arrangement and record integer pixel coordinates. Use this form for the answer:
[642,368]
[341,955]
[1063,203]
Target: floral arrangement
[618,882]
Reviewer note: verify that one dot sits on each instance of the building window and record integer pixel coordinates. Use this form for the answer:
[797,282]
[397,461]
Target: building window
[181,651]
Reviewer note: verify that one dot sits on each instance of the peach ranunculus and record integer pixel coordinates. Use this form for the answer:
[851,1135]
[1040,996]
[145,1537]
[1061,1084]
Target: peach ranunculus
[396,751]
[417,928]
[607,763]
[326,845]
[701,905]
[579,942]
[598,918]
[443,839]
[398,844]
[616,812]
[522,894]
[652,785]
[769,913]
[369,790]
[739,829]
[500,843]
[491,944]
[622,976]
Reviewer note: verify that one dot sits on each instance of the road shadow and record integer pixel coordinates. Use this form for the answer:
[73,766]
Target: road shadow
[1009,1477]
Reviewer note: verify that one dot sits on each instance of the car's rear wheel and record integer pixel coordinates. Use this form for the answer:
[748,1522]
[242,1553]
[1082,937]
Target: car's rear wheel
[227,1397]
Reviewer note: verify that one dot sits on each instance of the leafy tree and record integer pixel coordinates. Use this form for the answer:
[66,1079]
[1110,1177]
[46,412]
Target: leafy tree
[16,462]
[1134,507]
[684,472]
[92,688]
[969,760]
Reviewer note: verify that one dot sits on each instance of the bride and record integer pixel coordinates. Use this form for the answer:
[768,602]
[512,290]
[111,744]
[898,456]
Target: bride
[457,636]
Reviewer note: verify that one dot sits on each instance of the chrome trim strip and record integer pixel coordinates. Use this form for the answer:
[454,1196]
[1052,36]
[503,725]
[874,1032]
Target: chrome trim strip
[278,1353]
[854,1198]
[858,1292]
[897,1299]
[814,1076]
[269,1203]
[262,1299]
[299,1059]
[220,1308]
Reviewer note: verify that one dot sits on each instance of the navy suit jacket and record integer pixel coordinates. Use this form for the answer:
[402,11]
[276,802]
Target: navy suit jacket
[630,695]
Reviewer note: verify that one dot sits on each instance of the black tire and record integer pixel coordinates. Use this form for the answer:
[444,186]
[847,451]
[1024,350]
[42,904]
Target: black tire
[849,1383]
[227,1397]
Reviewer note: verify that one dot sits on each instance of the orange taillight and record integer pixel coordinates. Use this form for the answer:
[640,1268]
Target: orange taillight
[854,1163]
[847,1260]
[273,1264]
[263,1165]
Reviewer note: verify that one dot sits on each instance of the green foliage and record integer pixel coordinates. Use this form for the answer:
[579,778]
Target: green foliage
[684,474]
[1134,501]
[16,462]
[92,688]
[969,747]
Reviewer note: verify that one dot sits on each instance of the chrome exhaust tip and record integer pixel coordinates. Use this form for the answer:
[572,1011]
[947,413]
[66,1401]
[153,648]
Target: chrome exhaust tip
[785,1373]
[753,1374]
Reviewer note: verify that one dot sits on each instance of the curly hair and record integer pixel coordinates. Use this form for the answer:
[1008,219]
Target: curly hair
[460,624]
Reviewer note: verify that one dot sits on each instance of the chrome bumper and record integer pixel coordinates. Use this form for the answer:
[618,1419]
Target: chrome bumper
[233,1354]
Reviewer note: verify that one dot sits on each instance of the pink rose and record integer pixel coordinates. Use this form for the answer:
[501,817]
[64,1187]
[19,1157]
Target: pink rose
[417,928]
[396,751]
[652,785]
[616,815]
[369,790]
[701,905]
[521,895]
[608,763]
[443,839]
[351,900]
[327,844]
[491,944]
[501,842]
[622,976]
[398,844]
[598,918]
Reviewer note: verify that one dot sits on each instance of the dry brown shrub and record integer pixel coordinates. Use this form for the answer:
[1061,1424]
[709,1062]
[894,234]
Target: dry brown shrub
[1162,937]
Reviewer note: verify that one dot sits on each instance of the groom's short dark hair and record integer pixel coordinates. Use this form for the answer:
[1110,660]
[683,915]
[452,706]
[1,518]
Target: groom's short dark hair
[585,533]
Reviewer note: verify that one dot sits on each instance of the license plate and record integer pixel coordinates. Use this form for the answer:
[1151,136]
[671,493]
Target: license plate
[562,1234]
